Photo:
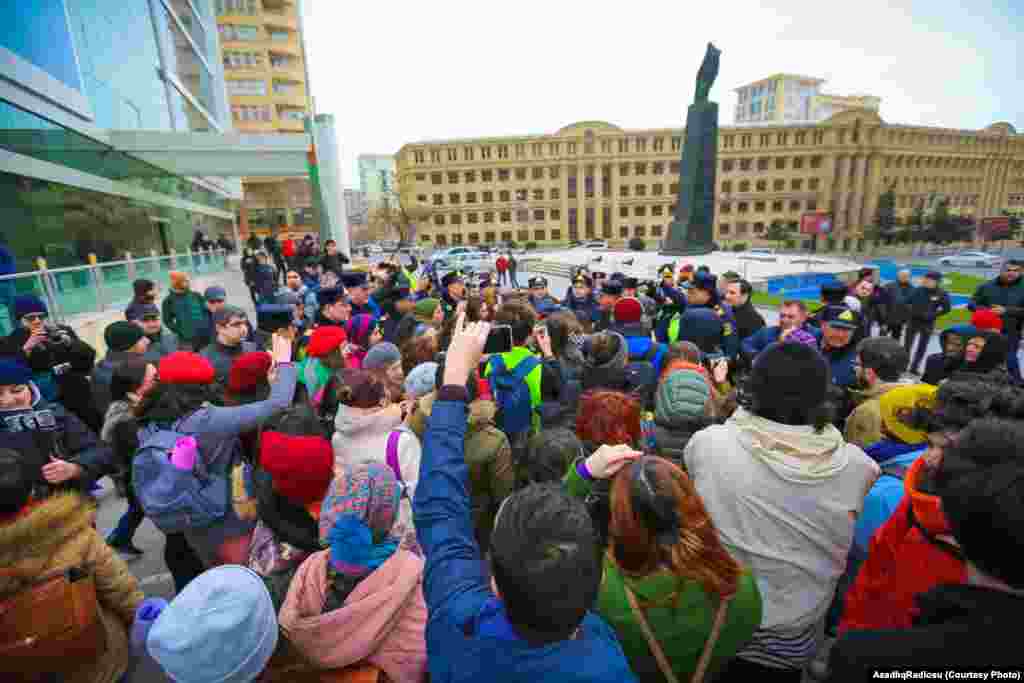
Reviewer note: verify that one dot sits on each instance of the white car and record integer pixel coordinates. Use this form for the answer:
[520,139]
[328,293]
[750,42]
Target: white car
[761,251]
[595,244]
[972,258]
[463,258]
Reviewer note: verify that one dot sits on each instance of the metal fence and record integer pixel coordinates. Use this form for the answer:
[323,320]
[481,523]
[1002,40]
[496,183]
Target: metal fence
[101,287]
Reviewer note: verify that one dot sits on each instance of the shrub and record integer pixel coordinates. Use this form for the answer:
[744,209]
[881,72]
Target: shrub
[789,244]
[739,246]
[636,244]
[531,245]
[830,244]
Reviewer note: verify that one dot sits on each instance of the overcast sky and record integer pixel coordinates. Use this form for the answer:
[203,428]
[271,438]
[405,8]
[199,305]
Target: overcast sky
[399,72]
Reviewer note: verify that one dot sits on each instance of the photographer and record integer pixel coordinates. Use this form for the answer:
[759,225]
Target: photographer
[59,360]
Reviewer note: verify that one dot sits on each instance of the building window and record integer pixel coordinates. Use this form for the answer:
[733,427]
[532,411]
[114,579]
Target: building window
[801,138]
[556,235]
[745,140]
[723,228]
[243,88]
[655,231]
[762,164]
[453,154]
[506,216]
[639,210]
[744,186]
[623,212]
[237,7]
[657,210]
[742,207]
[520,174]
[488,197]
[779,185]
[251,112]
[777,206]
[488,216]
[502,175]
[758,228]
[606,146]
[472,217]
[556,214]
[675,143]
[658,168]
[812,184]
[538,214]
[724,207]
[640,190]
[762,185]
[794,205]
[555,193]
[456,239]
[470,176]
[623,146]
[456,219]
[726,186]
[453,178]
[453,198]
[234,59]
[504,196]
[759,207]
[553,148]
[489,237]
[780,163]
[766,139]
[438,199]
[485,152]
[538,195]
[659,144]
[435,156]
[673,188]
[641,145]
[474,238]
[623,190]
[728,140]
[640,168]
[486,176]
[553,172]
[797,184]
[538,172]
[439,219]
[471,197]
[418,157]
[674,168]
[503,151]
[467,153]
[421,198]
[657,189]
[520,151]
[570,148]
[420,177]
[538,149]
[640,231]
[812,205]
[782,139]
[745,164]
[624,169]
[538,235]
[521,194]
[572,187]
[816,162]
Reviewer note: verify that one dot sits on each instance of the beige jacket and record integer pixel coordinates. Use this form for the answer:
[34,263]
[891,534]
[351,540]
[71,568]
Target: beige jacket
[864,426]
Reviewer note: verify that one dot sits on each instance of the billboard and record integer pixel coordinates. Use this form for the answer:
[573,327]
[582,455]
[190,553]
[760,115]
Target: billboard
[816,223]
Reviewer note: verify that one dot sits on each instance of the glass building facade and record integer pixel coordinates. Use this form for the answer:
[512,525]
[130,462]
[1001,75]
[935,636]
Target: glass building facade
[73,70]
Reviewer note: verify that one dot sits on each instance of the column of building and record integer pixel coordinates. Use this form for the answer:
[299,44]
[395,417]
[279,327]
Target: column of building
[563,183]
[874,188]
[842,180]
[581,195]
[613,168]
[856,204]
[598,198]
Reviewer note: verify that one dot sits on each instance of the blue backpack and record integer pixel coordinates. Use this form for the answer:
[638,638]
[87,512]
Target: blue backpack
[512,395]
[176,499]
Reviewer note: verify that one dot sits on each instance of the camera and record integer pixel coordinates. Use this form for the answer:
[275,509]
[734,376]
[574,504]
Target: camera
[56,336]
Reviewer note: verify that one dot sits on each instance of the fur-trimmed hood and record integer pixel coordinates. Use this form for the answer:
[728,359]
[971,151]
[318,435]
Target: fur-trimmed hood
[38,531]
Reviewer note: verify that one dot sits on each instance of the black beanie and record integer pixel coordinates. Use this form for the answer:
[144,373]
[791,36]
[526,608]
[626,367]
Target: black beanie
[122,335]
[789,377]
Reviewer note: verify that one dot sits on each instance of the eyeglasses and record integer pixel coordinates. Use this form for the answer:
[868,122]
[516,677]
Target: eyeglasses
[238,323]
[33,317]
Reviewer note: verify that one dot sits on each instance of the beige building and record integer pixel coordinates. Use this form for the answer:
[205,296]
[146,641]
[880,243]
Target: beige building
[784,99]
[268,86]
[596,180]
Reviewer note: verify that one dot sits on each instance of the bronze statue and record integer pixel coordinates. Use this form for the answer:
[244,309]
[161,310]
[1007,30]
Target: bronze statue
[707,74]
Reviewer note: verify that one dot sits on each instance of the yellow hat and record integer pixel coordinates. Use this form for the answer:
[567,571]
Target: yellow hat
[899,403]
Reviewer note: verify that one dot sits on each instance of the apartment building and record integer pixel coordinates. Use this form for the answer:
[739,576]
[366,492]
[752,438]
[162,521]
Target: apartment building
[594,179]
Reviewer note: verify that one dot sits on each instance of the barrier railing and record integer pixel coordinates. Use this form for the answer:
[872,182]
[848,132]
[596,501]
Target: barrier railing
[99,287]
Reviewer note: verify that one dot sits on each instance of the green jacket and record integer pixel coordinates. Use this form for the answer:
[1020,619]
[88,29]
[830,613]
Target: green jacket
[679,612]
[186,315]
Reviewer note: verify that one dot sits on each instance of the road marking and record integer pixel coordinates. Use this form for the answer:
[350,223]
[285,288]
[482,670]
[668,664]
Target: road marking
[156,578]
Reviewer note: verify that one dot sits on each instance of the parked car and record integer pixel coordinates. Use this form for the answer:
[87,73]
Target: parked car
[595,244]
[762,251]
[467,259]
[972,258]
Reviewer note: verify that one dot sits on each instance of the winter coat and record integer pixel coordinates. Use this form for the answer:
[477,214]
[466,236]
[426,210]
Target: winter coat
[264,282]
[864,425]
[748,320]
[765,337]
[57,533]
[488,455]
[469,636]
[928,304]
[361,436]
[335,263]
[935,365]
[102,375]
[217,429]
[286,533]
[586,308]
[956,627]
[841,362]
[382,622]
[1011,297]
[903,562]
[221,357]
[898,309]
[784,499]
[161,344]
[45,428]
[679,611]
[185,314]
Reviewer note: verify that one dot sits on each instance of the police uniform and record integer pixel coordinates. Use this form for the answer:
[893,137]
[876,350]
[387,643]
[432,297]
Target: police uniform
[448,302]
[585,308]
[605,319]
[544,305]
[710,326]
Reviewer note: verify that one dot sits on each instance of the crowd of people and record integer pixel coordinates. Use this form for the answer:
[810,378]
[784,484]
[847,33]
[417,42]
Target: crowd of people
[418,477]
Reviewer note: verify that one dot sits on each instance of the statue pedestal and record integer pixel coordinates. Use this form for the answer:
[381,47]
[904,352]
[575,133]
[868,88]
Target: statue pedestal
[692,230]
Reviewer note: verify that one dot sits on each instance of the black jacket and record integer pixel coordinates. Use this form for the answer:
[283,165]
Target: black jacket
[670,438]
[928,304]
[289,522]
[748,320]
[898,307]
[959,627]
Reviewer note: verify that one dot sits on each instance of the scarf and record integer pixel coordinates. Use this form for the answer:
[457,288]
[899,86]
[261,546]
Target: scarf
[357,516]
[795,453]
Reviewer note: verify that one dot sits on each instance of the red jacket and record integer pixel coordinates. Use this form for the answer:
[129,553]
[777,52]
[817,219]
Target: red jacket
[501,264]
[288,248]
[903,562]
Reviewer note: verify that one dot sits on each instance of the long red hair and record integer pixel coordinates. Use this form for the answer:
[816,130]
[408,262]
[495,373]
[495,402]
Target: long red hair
[697,553]
[608,417]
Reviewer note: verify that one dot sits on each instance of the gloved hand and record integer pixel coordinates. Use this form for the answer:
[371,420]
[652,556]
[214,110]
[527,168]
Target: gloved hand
[607,460]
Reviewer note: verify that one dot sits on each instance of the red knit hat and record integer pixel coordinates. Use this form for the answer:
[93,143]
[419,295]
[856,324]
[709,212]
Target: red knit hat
[987,319]
[325,339]
[628,310]
[185,367]
[248,372]
[301,466]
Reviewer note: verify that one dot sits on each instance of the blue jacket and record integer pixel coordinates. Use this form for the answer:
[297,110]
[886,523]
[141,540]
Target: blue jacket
[928,304]
[885,494]
[709,328]
[545,305]
[673,295]
[371,307]
[586,309]
[639,346]
[841,363]
[469,637]
[766,336]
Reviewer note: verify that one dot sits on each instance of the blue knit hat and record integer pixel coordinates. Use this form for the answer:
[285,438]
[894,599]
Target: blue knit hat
[25,304]
[14,372]
[221,627]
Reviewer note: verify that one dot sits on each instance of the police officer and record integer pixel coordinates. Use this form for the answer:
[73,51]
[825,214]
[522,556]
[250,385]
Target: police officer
[542,302]
[453,290]
[581,301]
[706,322]
[611,292]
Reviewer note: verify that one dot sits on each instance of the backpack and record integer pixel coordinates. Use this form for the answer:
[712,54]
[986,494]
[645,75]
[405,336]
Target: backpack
[50,626]
[642,374]
[174,499]
[512,395]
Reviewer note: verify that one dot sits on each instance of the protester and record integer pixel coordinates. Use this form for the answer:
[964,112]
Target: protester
[951,342]
[265,277]
[683,405]
[361,599]
[792,316]
[1004,296]
[968,625]
[184,312]
[232,327]
[125,341]
[421,349]
[927,303]
[161,341]
[44,535]
[369,428]
[247,379]
[384,361]
[782,457]
[513,268]
[324,356]
[332,259]
[501,268]
[664,554]
[748,320]
[897,312]
[880,364]
[609,295]
[453,291]
[144,293]
[334,308]
[357,286]
[985,355]
[363,332]
[545,562]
